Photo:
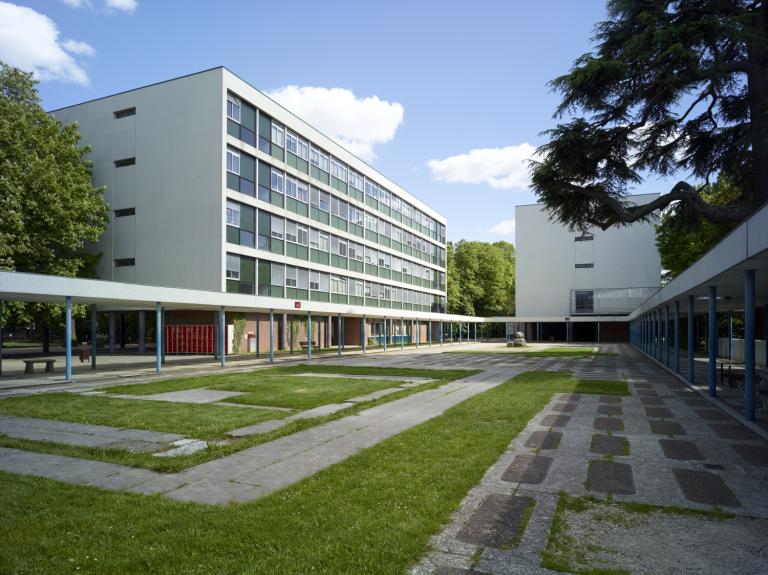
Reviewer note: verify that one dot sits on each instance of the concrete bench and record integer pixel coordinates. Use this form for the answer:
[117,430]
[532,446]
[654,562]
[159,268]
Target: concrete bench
[304,345]
[29,364]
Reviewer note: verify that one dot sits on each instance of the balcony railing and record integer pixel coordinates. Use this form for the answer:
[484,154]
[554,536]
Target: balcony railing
[608,301]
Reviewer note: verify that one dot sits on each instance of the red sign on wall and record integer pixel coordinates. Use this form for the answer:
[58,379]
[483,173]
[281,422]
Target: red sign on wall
[297,304]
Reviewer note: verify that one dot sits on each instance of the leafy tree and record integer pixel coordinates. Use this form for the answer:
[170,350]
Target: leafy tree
[672,87]
[682,237]
[48,204]
[481,278]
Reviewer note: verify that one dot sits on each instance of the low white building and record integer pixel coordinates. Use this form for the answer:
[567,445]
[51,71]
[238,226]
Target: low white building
[568,283]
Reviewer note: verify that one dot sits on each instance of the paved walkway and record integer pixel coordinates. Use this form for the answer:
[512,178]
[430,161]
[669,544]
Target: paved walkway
[265,468]
[663,445]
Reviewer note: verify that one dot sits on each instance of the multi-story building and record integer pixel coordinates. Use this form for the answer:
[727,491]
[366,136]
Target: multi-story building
[214,186]
[581,286]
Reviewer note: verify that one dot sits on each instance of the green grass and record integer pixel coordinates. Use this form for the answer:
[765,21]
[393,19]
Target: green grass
[216,450]
[562,553]
[21,344]
[372,513]
[196,420]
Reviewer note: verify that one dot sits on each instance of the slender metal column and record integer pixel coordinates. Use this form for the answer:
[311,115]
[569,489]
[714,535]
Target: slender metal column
[111,332]
[598,332]
[223,336]
[142,331]
[712,338]
[284,338]
[68,342]
[461,329]
[666,335]
[94,334]
[677,336]
[691,338]
[385,334]
[441,333]
[271,336]
[258,334]
[429,333]
[451,332]
[309,335]
[362,333]
[749,345]
[660,335]
[418,333]
[338,335]
[730,334]
[402,334]
[291,335]
[159,338]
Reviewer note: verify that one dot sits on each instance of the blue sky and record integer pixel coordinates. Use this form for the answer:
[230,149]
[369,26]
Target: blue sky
[444,98]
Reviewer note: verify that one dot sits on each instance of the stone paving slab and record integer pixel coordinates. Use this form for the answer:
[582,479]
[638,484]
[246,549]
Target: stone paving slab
[403,378]
[497,521]
[198,395]
[705,487]
[732,431]
[666,427]
[681,450]
[133,440]
[608,424]
[661,412]
[544,440]
[611,477]
[752,454]
[555,420]
[609,444]
[527,469]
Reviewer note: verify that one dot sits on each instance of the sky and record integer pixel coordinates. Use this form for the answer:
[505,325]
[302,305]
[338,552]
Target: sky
[448,99]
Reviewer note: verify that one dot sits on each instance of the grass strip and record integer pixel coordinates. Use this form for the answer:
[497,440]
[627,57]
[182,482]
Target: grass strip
[372,513]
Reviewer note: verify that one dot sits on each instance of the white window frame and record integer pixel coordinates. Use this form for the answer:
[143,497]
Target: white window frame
[338,170]
[291,276]
[292,142]
[277,181]
[290,231]
[233,214]
[232,273]
[233,107]
[278,134]
[233,161]
[303,234]
[281,224]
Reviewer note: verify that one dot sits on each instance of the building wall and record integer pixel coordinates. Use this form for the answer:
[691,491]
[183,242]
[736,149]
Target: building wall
[176,137]
[547,255]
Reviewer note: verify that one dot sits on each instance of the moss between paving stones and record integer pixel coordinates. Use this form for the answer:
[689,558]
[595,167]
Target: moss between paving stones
[372,513]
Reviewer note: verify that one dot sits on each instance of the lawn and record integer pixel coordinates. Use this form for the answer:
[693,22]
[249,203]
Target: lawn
[372,513]
[196,420]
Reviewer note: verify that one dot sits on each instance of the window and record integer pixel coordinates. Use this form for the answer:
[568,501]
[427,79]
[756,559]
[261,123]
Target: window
[371,189]
[371,256]
[397,234]
[277,134]
[233,214]
[314,239]
[290,231]
[339,207]
[355,216]
[277,181]
[384,228]
[125,212]
[126,162]
[303,192]
[338,170]
[125,262]
[324,241]
[233,108]
[338,246]
[371,222]
[303,149]
[303,235]
[319,159]
[582,266]
[290,187]
[278,275]
[338,285]
[355,180]
[584,301]
[384,196]
[233,267]
[233,161]
[278,227]
[356,251]
[359,288]
[406,209]
[397,264]
[291,143]
[584,237]
[291,276]
[303,278]
[396,204]
[125,113]
[325,201]
[314,280]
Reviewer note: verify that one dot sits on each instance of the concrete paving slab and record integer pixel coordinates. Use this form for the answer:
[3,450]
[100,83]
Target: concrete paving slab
[608,424]
[527,469]
[198,395]
[732,431]
[705,487]
[498,521]
[564,407]
[610,399]
[610,410]
[611,477]
[544,440]
[681,450]
[666,427]
[713,415]
[609,444]
[555,420]
[660,412]
[655,401]
[753,454]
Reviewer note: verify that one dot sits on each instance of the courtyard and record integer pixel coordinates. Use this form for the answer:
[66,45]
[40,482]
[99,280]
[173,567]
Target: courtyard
[454,460]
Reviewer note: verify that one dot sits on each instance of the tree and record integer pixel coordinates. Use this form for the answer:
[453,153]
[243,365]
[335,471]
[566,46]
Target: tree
[481,278]
[48,204]
[672,87]
[682,237]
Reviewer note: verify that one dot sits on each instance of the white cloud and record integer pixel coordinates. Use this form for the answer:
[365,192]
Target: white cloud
[504,228]
[356,123]
[125,5]
[76,47]
[497,167]
[76,3]
[30,41]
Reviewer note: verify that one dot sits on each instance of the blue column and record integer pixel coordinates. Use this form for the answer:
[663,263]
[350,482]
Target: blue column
[258,334]
[666,335]
[712,338]
[461,328]
[441,333]
[691,337]
[451,330]
[730,334]
[677,336]
[94,334]
[418,333]
[271,336]
[362,333]
[386,333]
[429,333]
[598,332]
[402,334]
[291,335]
[338,335]
[68,340]
[749,345]
[223,336]
[159,338]
[309,335]
[660,335]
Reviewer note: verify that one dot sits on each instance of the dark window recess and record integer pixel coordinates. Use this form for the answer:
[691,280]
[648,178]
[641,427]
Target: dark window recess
[125,262]
[125,162]
[585,265]
[125,113]
[584,238]
[125,212]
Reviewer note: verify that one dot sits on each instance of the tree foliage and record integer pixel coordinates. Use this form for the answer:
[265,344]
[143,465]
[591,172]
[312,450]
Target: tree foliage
[481,278]
[48,204]
[672,87]
[682,237]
